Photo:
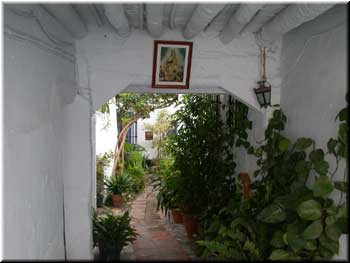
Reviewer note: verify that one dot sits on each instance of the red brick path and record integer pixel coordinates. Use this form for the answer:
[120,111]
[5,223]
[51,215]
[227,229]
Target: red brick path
[156,241]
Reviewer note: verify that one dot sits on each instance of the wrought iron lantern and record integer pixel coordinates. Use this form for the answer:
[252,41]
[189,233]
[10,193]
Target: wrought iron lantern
[263,92]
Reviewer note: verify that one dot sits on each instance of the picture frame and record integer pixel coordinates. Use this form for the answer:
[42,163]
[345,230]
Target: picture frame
[172,64]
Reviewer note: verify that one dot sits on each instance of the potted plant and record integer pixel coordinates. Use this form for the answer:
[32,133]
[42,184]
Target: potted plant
[118,187]
[112,233]
[101,162]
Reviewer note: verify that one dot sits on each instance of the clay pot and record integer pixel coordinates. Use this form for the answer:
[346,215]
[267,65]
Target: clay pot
[177,216]
[117,200]
[247,193]
[191,224]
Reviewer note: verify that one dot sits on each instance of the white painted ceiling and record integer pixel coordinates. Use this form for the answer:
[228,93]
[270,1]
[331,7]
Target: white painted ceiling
[225,21]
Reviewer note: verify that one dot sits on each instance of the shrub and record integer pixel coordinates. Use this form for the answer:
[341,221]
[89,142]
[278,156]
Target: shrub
[112,233]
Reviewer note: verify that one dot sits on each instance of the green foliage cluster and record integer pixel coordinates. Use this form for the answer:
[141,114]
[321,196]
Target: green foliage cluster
[101,162]
[306,222]
[203,154]
[135,167]
[287,218]
[164,181]
[132,181]
[141,104]
[118,185]
[111,233]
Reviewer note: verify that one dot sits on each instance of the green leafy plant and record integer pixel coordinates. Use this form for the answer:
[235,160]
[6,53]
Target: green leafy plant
[112,233]
[135,168]
[118,185]
[286,218]
[164,181]
[307,223]
[101,162]
[232,235]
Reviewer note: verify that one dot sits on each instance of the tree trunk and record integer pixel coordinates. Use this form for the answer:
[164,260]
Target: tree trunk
[119,148]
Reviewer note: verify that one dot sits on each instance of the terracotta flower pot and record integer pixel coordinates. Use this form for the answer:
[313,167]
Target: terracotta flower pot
[117,200]
[191,224]
[247,193]
[177,216]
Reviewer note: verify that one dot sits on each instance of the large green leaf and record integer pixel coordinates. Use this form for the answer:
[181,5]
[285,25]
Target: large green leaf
[309,210]
[284,144]
[343,132]
[332,143]
[294,241]
[303,143]
[343,225]
[313,231]
[277,240]
[321,167]
[341,186]
[330,219]
[310,244]
[331,246]
[273,213]
[322,187]
[342,211]
[333,232]
[316,155]
[302,167]
[343,115]
[279,254]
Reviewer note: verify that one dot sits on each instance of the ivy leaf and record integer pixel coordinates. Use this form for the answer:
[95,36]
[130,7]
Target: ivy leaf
[342,211]
[294,241]
[273,213]
[284,144]
[343,115]
[302,167]
[277,240]
[322,187]
[279,254]
[321,167]
[316,155]
[332,143]
[330,220]
[343,225]
[330,246]
[343,133]
[309,210]
[303,143]
[313,231]
[341,186]
[310,244]
[333,232]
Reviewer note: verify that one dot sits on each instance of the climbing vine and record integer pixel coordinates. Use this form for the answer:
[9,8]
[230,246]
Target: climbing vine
[286,218]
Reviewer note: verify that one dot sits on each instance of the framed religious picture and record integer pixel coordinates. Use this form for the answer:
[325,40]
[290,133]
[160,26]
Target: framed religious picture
[172,64]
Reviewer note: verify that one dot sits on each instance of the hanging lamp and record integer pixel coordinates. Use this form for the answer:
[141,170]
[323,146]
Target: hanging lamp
[263,92]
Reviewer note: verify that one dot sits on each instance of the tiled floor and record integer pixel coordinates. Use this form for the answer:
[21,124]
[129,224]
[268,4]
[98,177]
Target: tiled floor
[159,238]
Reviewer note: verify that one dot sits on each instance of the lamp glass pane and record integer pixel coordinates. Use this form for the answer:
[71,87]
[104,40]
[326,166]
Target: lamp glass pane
[267,97]
[260,97]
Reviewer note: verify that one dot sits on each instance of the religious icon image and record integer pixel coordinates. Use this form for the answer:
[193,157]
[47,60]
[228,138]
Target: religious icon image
[172,64]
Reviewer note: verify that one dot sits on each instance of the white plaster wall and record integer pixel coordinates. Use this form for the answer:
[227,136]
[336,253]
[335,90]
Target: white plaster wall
[106,137]
[116,63]
[150,152]
[78,171]
[314,82]
[33,133]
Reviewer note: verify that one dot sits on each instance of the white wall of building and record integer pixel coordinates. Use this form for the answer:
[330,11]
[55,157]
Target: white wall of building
[106,136]
[33,135]
[150,152]
[314,82]
[50,139]
[112,63]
